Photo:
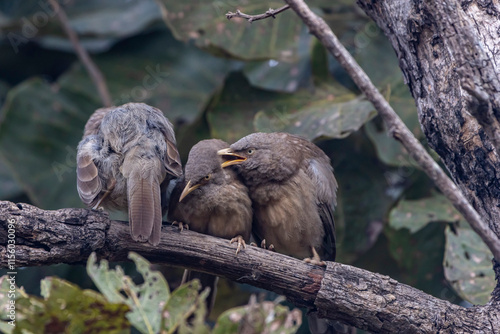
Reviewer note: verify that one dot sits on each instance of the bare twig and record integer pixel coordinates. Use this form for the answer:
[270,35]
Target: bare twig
[92,69]
[341,292]
[269,13]
[398,129]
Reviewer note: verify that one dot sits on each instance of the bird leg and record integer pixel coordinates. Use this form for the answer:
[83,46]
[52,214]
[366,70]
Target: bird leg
[241,242]
[181,225]
[263,245]
[315,259]
[108,191]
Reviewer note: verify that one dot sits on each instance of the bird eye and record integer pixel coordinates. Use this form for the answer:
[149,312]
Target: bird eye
[251,151]
[207,177]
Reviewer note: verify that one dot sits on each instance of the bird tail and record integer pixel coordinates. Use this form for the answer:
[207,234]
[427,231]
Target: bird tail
[144,200]
[207,281]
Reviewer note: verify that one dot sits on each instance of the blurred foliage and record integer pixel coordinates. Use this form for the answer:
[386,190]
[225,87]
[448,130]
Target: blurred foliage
[149,307]
[218,78]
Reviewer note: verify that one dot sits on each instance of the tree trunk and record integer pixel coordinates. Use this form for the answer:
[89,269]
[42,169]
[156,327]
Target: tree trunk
[448,53]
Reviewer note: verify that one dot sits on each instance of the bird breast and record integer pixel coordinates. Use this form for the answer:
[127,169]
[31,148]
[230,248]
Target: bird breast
[287,215]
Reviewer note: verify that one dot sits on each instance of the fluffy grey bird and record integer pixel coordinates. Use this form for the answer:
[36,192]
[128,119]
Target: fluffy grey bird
[213,201]
[125,160]
[293,190]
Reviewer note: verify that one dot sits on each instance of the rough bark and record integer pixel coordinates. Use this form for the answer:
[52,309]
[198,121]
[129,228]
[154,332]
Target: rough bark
[354,296]
[448,52]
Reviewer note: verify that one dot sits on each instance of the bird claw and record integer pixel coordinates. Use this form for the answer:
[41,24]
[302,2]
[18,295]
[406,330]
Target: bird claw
[315,259]
[240,241]
[181,225]
[263,245]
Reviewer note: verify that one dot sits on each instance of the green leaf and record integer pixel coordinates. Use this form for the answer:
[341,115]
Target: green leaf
[206,24]
[145,300]
[99,23]
[39,133]
[263,317]
[467,264]
[321,117]
[330,112]
[186,302]
[415,214]
[66,308]
[282,75]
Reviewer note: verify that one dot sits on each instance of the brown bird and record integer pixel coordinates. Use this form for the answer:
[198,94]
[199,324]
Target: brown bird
[126,160]
[293,190]
[213,201]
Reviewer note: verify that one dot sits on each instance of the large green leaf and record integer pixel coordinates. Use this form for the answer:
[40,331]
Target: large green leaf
[64,308]
[99,23]
[146,301]
[330,112]
[415,214]
[158,70]
[282,75]
[321,117]
[39,133]
[467,264]
[206,24]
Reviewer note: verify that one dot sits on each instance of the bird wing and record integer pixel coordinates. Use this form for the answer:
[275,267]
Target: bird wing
[172,159]
[94,123]
[321,173]
[89,184]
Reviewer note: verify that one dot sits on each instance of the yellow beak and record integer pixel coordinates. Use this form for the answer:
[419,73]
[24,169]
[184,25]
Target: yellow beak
[188,189]
[227,152]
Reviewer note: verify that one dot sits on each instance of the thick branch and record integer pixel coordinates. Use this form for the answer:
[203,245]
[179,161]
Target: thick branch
[92,69]
[354,296]
[322,31]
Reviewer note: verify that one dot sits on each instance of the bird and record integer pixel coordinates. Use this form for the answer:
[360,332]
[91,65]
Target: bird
[213,201]
[293,191]
[294,194]
[125,161]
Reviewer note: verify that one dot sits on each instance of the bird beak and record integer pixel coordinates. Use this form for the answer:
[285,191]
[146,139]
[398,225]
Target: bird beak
[234,159]
[188,189]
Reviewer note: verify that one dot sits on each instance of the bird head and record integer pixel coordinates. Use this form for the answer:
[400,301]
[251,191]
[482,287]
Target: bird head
[262,156]
[203,167]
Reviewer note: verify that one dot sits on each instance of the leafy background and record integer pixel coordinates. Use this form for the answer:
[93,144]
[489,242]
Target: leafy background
[224,79]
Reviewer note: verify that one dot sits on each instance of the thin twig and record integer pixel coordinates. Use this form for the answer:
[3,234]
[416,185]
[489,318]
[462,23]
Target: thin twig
[92,69]
[270,13]
[398,129]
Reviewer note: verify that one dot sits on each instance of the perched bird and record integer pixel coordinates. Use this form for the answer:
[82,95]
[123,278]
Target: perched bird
[293,190]
[125,160]
[213,201]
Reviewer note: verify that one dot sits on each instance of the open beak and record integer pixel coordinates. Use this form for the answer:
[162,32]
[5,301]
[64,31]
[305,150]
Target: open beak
[234,159]
[188,189]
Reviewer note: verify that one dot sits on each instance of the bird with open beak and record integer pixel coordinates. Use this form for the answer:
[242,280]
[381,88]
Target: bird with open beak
[125,160]
[293,190]
[213,201]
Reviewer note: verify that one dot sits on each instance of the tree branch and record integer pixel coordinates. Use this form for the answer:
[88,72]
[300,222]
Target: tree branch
[270,13]
[340,292]
[92,69]
[398,129]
